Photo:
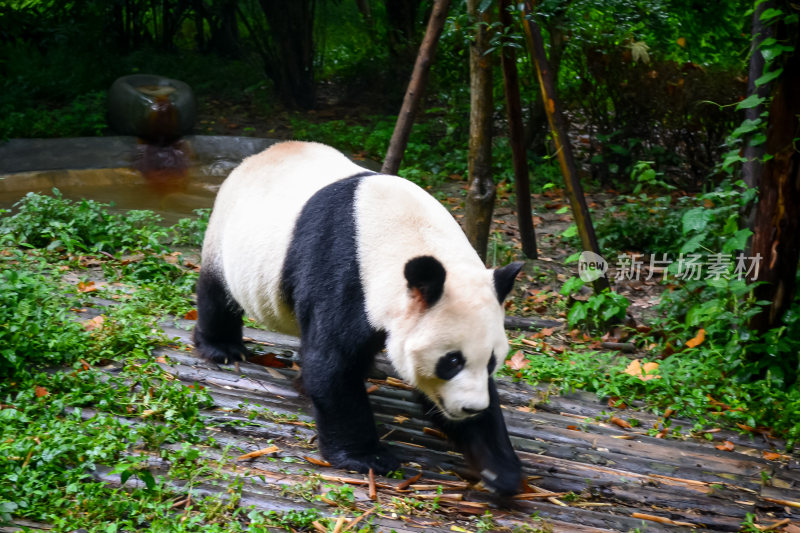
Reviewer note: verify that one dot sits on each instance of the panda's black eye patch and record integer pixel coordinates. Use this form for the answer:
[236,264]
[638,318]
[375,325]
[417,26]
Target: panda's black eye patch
[449,365]
[492,365]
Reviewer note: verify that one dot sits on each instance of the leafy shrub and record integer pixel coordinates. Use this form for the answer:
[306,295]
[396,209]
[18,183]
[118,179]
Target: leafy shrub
[599,311]
[651,226]
[84,116]
[54,222]
[36,328]
[190,231]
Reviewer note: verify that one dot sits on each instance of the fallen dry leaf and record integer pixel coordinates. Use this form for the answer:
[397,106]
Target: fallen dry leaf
[39,391]
[191,315]
[770,456]
[698,339]
[517,361]
[726,446]
[644,372]
[87,287]
[266,359]
[93,324]
[399,419]
[616,403]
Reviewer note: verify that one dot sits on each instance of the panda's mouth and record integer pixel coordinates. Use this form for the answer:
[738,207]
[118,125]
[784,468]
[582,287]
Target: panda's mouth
[447,413]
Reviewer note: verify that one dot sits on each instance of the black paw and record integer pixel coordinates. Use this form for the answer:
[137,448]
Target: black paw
[381,461]
[502,479]
[222,353]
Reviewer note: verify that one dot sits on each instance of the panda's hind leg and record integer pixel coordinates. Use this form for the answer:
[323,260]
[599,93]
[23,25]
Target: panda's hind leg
[218,332]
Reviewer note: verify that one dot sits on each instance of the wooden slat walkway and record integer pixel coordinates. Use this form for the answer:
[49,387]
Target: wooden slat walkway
[623,478]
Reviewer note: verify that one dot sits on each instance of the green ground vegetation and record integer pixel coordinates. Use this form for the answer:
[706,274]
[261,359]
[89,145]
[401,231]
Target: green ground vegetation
[64,415]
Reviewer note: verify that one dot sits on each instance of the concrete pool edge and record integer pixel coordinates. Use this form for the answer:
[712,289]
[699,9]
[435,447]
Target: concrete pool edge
[33,155]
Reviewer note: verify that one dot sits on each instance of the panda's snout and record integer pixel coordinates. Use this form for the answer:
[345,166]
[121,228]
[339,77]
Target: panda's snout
[473,408]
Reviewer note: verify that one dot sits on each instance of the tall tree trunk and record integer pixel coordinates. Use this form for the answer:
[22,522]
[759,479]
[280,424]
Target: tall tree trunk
[419,78]
[558,128]
[482,191]
[508,59]
[776,228]
[291,26]
[751,169]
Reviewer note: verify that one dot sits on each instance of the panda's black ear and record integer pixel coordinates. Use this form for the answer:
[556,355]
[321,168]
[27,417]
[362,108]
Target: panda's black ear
[504,279]
[425,276]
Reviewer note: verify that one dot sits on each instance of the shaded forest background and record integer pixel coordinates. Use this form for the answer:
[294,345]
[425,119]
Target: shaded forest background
[642,80]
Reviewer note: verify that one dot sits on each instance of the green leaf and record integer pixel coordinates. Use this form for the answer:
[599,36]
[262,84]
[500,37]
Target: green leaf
[695,219]
[570,231]
[738,241]
[571,285]
[576,314]
[751,101]
[747,126]
[693,244]
[770,14]
[758,139]
[768,77]
[731,158]
[774,50]
[126,475]
[147,478]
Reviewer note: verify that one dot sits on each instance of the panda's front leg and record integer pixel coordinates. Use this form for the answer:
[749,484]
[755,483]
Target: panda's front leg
[345,425]
[484,441]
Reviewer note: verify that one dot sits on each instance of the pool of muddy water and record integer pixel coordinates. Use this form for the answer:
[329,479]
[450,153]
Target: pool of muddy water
[173,197]
[171,180]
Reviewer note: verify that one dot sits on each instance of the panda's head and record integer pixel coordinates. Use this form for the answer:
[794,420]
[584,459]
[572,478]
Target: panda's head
[450,337]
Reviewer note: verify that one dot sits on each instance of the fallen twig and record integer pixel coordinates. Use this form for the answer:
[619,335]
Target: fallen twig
[258,453]
[662,520]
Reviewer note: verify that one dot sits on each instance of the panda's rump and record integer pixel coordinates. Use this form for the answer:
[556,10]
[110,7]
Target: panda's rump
[253,221]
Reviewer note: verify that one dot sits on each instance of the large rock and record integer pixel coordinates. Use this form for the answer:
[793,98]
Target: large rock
[155,108]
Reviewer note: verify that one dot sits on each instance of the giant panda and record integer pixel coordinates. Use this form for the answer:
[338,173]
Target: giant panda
[306,242]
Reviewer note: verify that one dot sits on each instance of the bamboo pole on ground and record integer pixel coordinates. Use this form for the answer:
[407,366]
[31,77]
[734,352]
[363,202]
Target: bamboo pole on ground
[508,60]
[419,78]
[558,129]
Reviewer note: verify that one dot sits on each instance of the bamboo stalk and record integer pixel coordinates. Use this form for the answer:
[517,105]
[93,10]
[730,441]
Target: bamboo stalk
[508,60]
[558,128]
